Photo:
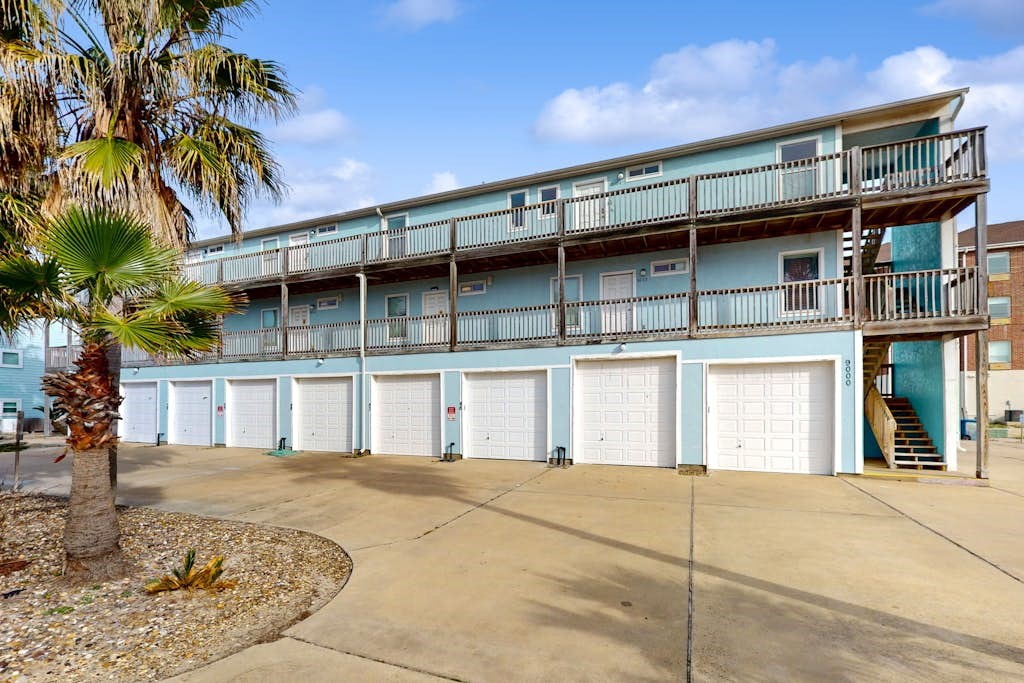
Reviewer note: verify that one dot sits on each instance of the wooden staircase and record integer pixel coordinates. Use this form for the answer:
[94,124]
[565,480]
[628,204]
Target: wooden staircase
[914,448]
[871,242]
[897,428]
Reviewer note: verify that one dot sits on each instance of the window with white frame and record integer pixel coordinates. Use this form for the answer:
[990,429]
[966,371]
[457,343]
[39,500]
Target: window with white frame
[999,263]
[573,293]
[999,307]
[548,198]
[675,266]
[10,358]
[796,268]
[9,406]
[798,177]
[999,352]
[395,225]
[474,287]
[322,230]
[517,217]
[397,307]
[327,303]
[641,171]
[269,318]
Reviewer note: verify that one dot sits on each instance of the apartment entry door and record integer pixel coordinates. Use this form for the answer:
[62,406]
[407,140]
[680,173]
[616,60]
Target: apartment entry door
[617,317]
[298,259]
[590,214]
[298,334]
[435,330]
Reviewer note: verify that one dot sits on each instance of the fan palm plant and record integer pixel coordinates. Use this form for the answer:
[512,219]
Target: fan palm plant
[103,274]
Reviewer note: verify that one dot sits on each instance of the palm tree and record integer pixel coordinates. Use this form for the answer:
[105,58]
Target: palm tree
[104,274]
[134,103]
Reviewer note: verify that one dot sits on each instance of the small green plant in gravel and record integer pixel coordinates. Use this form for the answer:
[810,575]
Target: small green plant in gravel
[187,577]
[63,609]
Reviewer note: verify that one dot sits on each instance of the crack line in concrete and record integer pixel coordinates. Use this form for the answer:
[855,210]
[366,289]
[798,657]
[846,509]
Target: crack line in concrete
[456,517]
[937,533]
[370,658]
[689,596]
[1012,493]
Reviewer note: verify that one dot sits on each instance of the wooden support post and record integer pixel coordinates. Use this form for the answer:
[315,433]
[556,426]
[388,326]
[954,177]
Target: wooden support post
[453,235]
[67,349]
[220,270]
[561,294]
[855,170]
[857,270]
[284,319]
[560,217]
[981,359]
[981,412]
[453,294]
[691,200]
[46,366]
[691,325]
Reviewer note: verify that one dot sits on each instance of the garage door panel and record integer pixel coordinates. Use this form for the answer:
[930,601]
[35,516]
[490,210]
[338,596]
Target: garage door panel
[252,408]
[774,417]
[139,412]
[191,413]
[506,416]
[324,414]
[406,413]
[627,412]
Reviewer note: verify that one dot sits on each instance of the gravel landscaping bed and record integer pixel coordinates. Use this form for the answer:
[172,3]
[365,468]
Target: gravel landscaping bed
[50,631]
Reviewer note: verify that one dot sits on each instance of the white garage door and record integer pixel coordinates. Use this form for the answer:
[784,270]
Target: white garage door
[324,414]
[407,414]
[772,417]
[252,413]
[190,414]
[138,412]
[507,415]
[627,412]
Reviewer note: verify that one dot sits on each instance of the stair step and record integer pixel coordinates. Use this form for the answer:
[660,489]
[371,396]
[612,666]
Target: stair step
[921,465]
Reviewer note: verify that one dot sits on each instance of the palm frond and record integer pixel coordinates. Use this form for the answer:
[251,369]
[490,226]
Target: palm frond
[174,297]
[108,160]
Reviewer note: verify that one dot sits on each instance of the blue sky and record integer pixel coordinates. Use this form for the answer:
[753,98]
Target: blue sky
[411,96]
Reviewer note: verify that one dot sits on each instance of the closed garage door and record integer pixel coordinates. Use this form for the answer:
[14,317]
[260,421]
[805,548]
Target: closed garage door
[407,414]
[627,412]
[138,412]
[324,414]
[772,417]
[252,413]
[190,414]
[506,414]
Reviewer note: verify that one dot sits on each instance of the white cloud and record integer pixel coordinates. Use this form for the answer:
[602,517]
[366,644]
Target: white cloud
[415,14]
[316,123]
[727,87]
[442,181]
[1002,17]
[342,185]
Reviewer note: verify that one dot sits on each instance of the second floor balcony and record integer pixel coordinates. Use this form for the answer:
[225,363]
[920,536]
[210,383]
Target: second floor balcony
[882,178]
[893,304]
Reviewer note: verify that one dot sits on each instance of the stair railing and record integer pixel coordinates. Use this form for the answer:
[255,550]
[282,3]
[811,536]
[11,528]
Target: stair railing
[883,424]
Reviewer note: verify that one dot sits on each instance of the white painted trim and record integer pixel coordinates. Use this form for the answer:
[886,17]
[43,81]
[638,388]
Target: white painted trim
[820,253]
[320,300]
[551,203]
[21,359]
[522,368]
[837,427]
[172,404]
[550,445]
[858,402]
[646,176]
[704,417]
[576,425]
[511,215]
[678,412]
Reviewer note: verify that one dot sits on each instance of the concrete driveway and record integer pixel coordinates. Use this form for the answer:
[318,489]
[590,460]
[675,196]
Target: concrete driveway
[488,570]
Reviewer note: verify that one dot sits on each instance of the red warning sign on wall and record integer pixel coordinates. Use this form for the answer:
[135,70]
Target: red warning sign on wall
[451,413]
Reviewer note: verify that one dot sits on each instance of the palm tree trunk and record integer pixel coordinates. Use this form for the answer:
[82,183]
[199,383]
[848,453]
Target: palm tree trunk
[91,533]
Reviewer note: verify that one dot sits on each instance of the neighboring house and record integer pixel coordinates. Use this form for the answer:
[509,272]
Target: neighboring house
[21,367]
[701,306]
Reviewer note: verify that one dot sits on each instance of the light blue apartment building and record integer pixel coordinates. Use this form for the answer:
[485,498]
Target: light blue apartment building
[709,306]
[21,368]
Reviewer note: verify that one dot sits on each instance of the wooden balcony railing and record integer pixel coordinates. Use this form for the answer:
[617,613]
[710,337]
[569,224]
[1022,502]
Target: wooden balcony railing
[524,323]
[664,315]
[410,332]
[916,164]
[771,307]
[942,293]
[62,356]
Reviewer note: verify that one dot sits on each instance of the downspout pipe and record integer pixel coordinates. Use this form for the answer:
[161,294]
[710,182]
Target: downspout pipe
[364,399]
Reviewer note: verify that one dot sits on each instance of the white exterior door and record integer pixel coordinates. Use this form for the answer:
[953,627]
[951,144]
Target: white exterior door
[617,317]
[772,417]
[324,414]
[435,331]
[592,213]
[298,258]
[252,413]
[298,339]
[191,414]
[138,412]
[626,412]
[407,415]
[271,259]
[507,415]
